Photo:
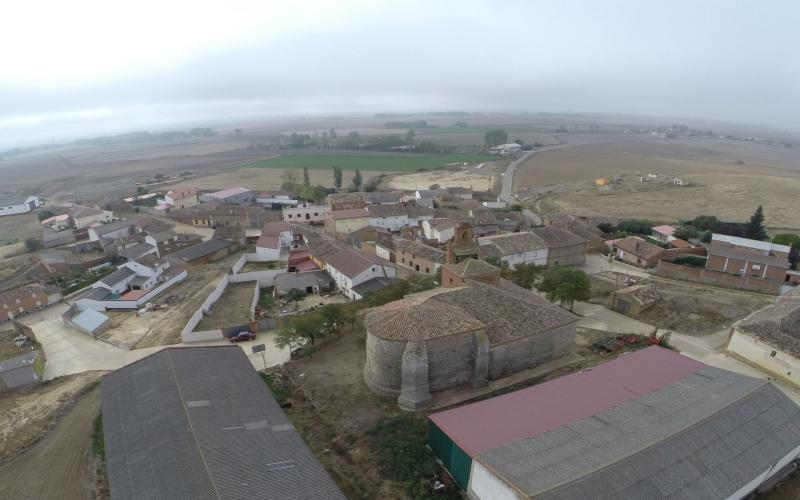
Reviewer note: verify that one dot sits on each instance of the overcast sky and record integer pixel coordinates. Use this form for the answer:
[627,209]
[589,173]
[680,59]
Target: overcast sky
[93,67]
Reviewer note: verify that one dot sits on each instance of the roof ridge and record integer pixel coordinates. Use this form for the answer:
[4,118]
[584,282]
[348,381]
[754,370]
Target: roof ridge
[653,443]
[191,425]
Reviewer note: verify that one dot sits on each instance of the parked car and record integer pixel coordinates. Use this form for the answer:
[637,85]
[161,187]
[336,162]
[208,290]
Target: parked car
[243,337]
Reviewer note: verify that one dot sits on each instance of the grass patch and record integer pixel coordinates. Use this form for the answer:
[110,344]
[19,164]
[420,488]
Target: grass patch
[98,443]
[12,241]
[378,163]
[691,260]
[403,455]
[280,392]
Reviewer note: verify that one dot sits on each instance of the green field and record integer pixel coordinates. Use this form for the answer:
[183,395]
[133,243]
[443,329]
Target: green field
[377,163]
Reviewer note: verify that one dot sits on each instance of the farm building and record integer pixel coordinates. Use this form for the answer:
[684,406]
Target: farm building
[770,338]
[21,371]
[18,204]
[174,428]
[350,268]
[58,222]
[311,282]
[236,196]
[25,299]
[417,256]
[748,258]
[206,251]
[276,199]
[114,230]
[83,216]
[447,337]
[579,226]
[650,424]
[346,221]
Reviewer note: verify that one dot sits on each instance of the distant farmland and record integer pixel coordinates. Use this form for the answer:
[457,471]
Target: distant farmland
[377,163]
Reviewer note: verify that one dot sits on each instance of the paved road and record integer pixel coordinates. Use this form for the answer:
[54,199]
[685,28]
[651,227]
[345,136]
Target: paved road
[69,351]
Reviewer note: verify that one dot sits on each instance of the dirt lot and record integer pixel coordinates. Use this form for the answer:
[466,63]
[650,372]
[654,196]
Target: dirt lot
[20,226]
[481,179]
[28,414]
[58,465]
[232,309]
[768,175]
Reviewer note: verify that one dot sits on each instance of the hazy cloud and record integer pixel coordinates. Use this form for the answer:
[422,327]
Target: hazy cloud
[87,68]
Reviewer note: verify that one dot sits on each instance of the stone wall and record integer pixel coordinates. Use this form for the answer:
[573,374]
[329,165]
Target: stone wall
[451,361]
[383,369]
[511,357]
[716,278]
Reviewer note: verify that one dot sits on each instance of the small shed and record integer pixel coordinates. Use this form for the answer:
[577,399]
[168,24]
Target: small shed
[634,299]
[91,322]
[21,371]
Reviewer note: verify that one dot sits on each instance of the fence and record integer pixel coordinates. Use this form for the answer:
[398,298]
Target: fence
[254,302]
[239,264]
[265,278]
[716,278]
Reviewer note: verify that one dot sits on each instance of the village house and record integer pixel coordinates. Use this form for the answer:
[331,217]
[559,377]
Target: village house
[235,196]
[441,230]
[229,215]
[199,423]
[748,258]
[636,251]
[59,262]
[346,201]
[514,249]
[276,199]
[195,216]
[580,227]
[112,231]
[393,217]
[505,149]
[86,216]
[770,338]
[457,275]
[274,237]
[650,424]
[312,214]
[18,204]
[448,337]
[350,268]
[344,222]
[487,222]
[563,247]
[58,222]
[417,256]
[663,234]
[26,299]
[182,198]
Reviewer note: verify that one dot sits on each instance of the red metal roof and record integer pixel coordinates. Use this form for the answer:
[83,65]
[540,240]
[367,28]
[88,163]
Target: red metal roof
[526,413]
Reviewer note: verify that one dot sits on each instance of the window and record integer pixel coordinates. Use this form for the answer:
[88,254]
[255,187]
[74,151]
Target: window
[773,353]
[427,270]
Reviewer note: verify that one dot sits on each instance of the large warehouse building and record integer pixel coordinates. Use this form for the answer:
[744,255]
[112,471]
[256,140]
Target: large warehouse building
[197,423]
[650,424]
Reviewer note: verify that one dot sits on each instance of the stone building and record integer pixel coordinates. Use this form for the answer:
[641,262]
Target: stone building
[564,248]
[447,337]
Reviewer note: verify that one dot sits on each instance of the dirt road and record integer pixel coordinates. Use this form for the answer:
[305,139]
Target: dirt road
[56,467]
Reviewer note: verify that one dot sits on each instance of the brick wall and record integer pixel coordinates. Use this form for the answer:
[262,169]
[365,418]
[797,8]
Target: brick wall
[715,278]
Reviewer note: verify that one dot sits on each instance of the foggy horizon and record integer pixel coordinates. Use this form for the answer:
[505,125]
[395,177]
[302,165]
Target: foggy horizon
[186,64]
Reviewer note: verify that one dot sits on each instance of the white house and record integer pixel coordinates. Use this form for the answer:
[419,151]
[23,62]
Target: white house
[83,216]
[276,199]
[394,217]
[306,213]
[514,248]
[495,204]
[664,234]
[350,268]
[274,237]
[182,198]
[505,149]
[441,230]
[13,204]
[113,230]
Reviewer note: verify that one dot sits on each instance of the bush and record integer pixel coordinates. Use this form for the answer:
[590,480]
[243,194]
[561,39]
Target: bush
[98,442]
[691,260]
[33,244]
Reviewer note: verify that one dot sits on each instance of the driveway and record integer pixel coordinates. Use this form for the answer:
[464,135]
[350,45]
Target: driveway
[69,351]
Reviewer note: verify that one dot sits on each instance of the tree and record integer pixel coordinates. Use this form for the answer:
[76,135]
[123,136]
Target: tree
[519,141]
[309,326]
[141,190]
[704,222]
[306,180]
[33,244]
[337,177]
[434,186]
[410,138]
[295,295]
[565,284]
[288,337]
[524,275]
[45,214]
[358,180]
[793,241]
[495,137]
[755,229]
[332,316]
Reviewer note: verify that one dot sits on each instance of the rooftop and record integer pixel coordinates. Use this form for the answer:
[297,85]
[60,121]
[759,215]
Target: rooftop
[556,237]
[274,228]
[473,268]
[119,275]
[102,229]
[349,214]
[174,428]
[287,281]
[649,424]
[509,244]
[227,193]
[416,248]
[202,249]
[638,247]
[180,193]
[506,311]
[373,285]
[748,243]
[350,262]
[268,241]
[665,230]
[777,325]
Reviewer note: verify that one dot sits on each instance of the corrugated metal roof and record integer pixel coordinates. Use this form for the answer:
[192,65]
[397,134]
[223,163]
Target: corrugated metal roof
[526,413]
[90,320]
[198,423]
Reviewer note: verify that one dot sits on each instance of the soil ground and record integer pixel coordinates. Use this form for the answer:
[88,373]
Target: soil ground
[481,179]
[232,308]
[767,175]
[57,467]
[28,414]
